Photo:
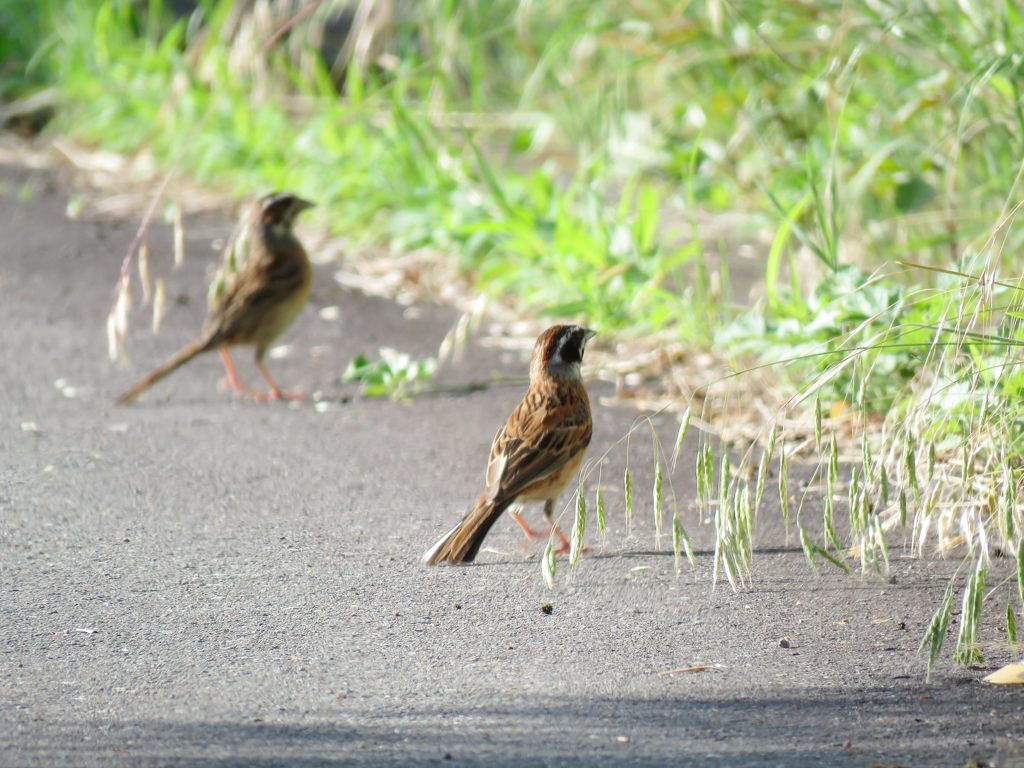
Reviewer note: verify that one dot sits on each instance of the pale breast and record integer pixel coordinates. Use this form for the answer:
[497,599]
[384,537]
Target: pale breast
[553,484]
[281,316]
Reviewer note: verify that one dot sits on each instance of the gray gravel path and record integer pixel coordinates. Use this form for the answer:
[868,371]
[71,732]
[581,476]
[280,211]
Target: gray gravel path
[198,581]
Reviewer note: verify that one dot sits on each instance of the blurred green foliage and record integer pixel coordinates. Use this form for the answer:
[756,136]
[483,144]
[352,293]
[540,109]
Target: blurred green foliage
[576,155]
[24,57]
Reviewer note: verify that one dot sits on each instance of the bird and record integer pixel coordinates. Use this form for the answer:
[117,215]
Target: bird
[537,452]
[266,295]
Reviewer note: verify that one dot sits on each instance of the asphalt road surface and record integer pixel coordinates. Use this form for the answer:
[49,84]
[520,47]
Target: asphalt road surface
[202,581]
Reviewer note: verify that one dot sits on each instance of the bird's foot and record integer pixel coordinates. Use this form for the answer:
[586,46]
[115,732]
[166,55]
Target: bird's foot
[227,385]
[565,545]
[276,395]
[531,535]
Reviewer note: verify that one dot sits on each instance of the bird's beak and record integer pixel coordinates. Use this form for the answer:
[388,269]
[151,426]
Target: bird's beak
[302,205]
[588,335]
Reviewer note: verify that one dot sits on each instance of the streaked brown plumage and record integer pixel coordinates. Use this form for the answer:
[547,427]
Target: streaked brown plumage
[265,296]
[537,452]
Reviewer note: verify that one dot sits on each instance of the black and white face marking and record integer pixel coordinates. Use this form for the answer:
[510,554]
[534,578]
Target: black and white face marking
[569,346]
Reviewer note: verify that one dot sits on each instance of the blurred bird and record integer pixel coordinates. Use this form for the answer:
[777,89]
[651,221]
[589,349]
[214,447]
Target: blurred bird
[538,450]
[262,300]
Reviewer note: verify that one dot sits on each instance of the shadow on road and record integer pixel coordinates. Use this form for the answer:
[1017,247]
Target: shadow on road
[567,731]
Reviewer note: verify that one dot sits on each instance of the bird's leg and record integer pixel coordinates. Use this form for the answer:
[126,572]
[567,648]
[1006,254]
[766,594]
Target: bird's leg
[232,375]
[531,535]
[549,508]
[275,392]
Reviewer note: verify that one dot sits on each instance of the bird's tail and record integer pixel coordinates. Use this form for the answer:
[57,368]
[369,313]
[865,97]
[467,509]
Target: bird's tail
[193,349]
[462,542]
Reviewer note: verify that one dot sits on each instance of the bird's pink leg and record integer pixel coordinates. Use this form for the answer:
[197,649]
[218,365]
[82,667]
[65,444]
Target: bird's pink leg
[565,542]
[232,375]
[531,535]
[549,512]
[275,392]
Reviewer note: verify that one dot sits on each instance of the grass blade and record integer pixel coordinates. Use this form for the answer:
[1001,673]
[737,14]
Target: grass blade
[967,652]
[807,546]
[703,485]
[627,483]
[684,425]
[762,470]
[579,527]
[1020,571]
[1011,628]
[784,487]
[548,565]
[657,503]
[677,540]
[935,636]
[817,421]
[910,465]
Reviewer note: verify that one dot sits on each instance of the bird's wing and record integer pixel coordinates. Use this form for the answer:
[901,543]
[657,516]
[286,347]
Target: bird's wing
[543,433]
[263,283]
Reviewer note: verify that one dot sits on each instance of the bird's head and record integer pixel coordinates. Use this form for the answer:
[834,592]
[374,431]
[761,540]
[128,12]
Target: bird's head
[277,212]
[559,351]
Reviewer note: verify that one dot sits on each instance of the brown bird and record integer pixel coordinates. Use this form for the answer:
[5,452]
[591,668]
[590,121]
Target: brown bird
[538,450]
[265,296]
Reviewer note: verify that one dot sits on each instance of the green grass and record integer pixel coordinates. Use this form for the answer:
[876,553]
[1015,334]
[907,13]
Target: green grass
[592,162]
[23,57]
